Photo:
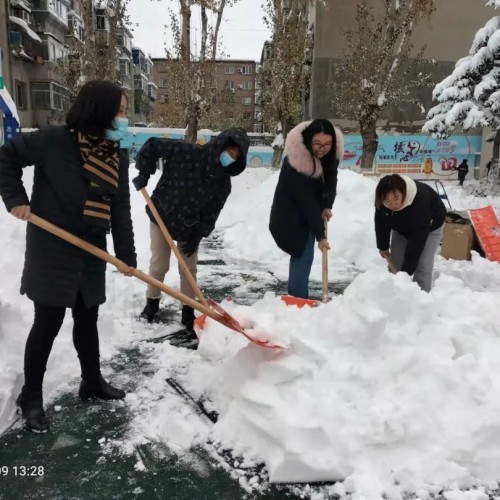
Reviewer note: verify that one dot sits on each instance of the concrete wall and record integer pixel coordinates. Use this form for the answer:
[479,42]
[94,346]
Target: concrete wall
[448,36]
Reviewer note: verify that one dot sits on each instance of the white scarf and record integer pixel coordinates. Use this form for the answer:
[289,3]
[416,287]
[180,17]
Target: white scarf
[411,192]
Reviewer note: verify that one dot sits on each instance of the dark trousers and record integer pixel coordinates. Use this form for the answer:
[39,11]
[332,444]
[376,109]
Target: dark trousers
[48,322]
[300,269]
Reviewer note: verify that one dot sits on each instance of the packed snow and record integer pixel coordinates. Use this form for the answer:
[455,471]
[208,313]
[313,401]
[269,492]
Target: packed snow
[385,389]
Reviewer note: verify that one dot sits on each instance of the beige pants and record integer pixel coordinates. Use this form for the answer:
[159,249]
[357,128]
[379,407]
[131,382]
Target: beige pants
[160,263]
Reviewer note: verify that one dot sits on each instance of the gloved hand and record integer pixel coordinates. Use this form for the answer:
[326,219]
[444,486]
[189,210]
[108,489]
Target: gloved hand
[190,247]
[141,181]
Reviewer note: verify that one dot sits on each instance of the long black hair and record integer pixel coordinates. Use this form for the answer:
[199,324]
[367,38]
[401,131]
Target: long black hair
[95,108]
[329,162]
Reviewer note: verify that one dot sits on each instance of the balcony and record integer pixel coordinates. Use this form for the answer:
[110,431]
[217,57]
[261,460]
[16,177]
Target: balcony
[152,91]
[21,4]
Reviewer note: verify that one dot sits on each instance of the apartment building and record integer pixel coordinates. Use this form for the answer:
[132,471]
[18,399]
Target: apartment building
[235,81]
[36,36]
[33,44]
[145,89]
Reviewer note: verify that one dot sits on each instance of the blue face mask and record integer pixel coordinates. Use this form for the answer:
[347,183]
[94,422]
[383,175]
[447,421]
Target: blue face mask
[120,127]
[226,159]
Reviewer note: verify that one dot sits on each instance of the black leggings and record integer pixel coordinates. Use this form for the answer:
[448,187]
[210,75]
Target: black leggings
[48,322]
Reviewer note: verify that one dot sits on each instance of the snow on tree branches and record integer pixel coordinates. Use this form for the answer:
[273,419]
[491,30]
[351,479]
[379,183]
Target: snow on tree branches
[470,96]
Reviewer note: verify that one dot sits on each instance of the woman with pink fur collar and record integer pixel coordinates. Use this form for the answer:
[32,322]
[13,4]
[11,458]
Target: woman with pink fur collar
[304,197]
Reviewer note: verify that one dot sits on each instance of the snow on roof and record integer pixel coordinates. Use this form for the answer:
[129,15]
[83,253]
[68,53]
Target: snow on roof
[24,25]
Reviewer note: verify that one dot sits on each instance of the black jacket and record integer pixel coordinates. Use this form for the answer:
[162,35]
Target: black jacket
[415,222]
[463,170]
[54,270]
[298,203]
[194,186]
[302,193]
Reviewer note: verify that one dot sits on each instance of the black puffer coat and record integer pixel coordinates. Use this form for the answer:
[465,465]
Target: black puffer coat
[302,194]
[54,270]
[194,185]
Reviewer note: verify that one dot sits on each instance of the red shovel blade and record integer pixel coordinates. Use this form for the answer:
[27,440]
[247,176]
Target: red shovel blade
[289,300]
[233,324]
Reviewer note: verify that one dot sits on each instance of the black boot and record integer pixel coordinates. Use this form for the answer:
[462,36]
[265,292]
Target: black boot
[100,390]
[188,317]
[151,309]
[31,405]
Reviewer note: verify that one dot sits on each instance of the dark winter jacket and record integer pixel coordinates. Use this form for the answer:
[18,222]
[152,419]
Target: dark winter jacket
[302,194]
[54,270]
[194,186]
[425,214]
[463,169]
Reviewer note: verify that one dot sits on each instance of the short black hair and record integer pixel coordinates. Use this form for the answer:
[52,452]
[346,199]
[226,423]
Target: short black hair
[389,184]
[95,107]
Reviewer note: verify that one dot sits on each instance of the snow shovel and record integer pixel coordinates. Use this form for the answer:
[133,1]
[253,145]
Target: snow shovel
[325,268]
[289,300]
[174,248]
[221,315]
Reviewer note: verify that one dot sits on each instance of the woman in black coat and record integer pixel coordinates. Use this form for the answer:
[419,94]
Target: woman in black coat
[409,216]
[304,197]
[81,185]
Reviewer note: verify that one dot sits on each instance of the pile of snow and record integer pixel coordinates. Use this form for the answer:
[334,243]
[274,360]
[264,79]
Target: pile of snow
[386,389]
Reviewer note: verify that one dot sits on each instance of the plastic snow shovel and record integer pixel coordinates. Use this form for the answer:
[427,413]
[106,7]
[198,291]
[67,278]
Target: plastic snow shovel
[225,319]
[174,248]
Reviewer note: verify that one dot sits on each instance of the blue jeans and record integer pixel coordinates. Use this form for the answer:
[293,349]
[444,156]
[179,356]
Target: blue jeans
[300,269]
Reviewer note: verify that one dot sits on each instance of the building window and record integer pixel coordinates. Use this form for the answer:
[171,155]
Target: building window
[247,85]
[124,67]
[246,101]
[229,85]
[56,51]
[246,69]
[49,95]
[21,97]
[100,20]
[163,83]
[247,115]
[138,82]
[59,9]
[40,95]
[229,69]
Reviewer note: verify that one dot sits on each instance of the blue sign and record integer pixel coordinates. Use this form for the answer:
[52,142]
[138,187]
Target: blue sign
[415,155]
[258,156]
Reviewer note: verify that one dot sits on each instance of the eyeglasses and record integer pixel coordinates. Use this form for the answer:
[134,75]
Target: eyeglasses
[317,145]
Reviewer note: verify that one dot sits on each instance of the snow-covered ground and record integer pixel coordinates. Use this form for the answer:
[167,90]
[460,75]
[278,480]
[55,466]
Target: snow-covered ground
[387,389]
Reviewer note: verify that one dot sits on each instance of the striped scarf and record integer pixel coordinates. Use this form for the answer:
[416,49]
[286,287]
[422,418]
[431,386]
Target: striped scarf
[100,168]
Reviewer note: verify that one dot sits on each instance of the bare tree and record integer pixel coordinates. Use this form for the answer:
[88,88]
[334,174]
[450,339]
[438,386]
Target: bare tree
[283,78]
[375,68]
[191,88]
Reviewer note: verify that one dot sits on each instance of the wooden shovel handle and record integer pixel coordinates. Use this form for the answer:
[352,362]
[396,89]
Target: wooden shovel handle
[325,267]
[103,255]
[390,263]
[174,248]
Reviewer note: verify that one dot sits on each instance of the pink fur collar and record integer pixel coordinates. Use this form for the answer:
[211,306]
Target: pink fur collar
[298,155]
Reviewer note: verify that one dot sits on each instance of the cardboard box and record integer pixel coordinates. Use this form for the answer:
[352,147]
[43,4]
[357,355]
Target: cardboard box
[458,241]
